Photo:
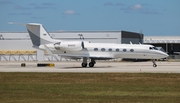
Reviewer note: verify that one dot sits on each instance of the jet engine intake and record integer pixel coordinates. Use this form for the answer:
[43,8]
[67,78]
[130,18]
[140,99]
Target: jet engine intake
[57,46]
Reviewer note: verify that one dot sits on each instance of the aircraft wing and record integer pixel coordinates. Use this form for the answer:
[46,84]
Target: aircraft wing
[87,56]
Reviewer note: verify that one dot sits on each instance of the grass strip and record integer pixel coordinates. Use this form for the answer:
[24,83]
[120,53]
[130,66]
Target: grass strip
[89,87]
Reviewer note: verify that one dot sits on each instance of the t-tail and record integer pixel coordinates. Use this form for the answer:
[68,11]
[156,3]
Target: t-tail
[39,36]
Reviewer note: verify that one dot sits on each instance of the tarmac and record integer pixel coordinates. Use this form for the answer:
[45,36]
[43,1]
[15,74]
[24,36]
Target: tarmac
[100,67]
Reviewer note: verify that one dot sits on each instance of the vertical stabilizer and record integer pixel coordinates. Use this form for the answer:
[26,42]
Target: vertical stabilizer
[39,36]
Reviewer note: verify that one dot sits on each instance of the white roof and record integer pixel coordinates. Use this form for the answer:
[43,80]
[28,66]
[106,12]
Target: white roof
[162,39]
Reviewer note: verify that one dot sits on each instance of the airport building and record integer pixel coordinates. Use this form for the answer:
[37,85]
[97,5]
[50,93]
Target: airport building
[17,46]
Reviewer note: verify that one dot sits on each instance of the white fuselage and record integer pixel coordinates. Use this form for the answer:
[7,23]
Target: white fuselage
[104,50]
[86,50]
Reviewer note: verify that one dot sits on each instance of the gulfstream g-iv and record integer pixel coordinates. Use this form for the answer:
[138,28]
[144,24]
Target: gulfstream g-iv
[88,51]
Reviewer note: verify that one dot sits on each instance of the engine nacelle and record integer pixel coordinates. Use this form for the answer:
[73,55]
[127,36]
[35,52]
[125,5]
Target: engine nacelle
[68,46]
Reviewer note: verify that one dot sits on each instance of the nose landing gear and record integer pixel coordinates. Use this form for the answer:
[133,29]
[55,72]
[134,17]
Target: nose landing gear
[154,63]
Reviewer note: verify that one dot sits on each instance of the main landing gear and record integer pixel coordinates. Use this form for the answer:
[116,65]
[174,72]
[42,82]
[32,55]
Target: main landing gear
[84,64]
[154,63]
[91,64]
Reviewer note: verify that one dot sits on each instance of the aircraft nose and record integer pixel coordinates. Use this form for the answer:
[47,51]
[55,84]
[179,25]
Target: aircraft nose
[165,54]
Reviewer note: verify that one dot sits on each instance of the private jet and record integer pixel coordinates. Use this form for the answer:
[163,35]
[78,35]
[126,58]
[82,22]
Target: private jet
[86,50]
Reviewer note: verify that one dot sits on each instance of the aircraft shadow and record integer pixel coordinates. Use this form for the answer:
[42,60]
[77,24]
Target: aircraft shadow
[84,67]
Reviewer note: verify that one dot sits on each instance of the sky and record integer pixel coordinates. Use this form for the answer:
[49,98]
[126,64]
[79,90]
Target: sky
[151,17]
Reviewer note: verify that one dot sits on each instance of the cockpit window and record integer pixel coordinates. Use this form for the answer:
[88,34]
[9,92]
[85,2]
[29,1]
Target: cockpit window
[153,48]
[150,48]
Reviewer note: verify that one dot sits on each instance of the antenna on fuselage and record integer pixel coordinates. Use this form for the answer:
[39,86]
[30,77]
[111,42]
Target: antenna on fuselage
[130,42]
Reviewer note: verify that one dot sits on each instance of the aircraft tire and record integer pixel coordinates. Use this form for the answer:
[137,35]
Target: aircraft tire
[91,64]
[84,64]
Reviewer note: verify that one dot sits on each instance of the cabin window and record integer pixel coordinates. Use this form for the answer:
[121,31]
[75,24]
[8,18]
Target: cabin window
[117,50]
[131,50]
[95,49]
[150,48]
[124,50]
[110,49]
[102,49]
